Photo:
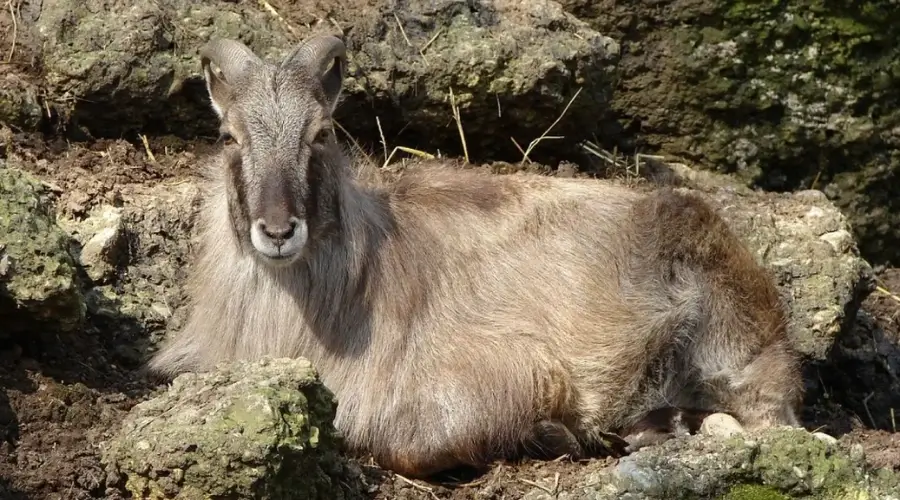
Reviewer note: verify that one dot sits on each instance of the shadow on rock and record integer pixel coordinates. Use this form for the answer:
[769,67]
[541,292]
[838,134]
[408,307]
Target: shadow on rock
[8,492]
[9,422]
[859,385]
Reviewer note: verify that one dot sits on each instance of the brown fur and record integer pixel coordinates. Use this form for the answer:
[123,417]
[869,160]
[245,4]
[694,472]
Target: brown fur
[459,315]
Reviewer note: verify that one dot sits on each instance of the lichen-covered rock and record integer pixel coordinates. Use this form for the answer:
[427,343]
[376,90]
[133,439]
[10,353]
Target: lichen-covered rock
[117,65]
[806,242]
[788,460]
[513,67]
[768,465]
[127,65]
[38,285]
[788,95]
[260,430]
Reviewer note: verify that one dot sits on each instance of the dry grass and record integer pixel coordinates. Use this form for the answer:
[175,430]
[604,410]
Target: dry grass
[271,10]
[457,119]
[887,293]
[618,164]
[459,126]
[544,136]
[388,157]
[147,148]
[14,14]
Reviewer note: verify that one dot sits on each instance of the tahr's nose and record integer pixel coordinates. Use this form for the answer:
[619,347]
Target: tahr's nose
[278,232]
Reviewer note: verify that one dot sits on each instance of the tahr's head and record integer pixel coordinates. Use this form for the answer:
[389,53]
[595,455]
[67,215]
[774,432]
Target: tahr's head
[279,117]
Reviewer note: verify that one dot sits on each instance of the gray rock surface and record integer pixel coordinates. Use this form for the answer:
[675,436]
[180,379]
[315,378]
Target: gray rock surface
[260,430]
[770,464]
[38,284]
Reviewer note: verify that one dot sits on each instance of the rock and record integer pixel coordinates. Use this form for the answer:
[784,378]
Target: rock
[126,62]
[104,242]
[826,438]
[38,285]
[803,239]
[260,430]
[19,105]
[783,463]
[787,95]
[513,66]
[721,425]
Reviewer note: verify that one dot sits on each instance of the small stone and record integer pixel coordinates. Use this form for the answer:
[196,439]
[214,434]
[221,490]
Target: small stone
[5,266]
[841,240]
[721,425]
[826,437]
[103,251]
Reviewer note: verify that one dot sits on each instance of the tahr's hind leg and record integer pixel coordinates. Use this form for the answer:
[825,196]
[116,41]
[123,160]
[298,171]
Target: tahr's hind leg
[661,425]
[766,392]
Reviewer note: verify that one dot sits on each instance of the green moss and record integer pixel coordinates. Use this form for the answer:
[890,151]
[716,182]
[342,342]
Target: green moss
[754,492]
[785,459]
[38,285]
[795,66]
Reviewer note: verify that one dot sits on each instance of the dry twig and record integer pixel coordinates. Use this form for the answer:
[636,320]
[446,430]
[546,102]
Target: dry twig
[416,485]
[13,15]
[888,293]
[147,148]
[544,135]
[266,5]
[459,126]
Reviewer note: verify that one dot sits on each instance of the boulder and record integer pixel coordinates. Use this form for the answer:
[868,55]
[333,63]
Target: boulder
[260,430]
[38,284]
[513,66]
[787,95]
[807,244]
[775,464]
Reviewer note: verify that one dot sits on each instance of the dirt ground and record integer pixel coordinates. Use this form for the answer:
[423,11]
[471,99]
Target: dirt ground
[61,395]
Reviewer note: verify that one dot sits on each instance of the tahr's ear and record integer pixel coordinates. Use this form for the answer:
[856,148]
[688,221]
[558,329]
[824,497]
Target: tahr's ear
[225,62]
[326,57]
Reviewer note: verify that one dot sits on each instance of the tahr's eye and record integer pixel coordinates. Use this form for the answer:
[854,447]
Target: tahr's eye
[322,136]
[226,138]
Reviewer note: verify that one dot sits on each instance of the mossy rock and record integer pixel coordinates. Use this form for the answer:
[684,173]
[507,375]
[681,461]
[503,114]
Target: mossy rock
[786,95]
[129,67]
[38,282]
[255,430]
[767,465]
